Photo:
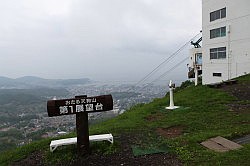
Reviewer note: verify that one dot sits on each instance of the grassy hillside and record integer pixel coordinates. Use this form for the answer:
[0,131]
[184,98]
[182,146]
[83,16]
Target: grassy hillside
[204,113]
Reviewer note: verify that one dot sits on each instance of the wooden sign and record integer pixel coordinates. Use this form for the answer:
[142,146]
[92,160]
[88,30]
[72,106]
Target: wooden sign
[79,104]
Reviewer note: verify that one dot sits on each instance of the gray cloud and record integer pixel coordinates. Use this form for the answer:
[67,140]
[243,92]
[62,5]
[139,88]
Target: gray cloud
[113,39]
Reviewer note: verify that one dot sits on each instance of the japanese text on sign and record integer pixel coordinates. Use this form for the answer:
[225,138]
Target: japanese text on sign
[80,101]
[79,104]
[80,108]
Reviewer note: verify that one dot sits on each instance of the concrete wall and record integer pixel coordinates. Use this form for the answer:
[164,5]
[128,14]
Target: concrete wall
[236,41]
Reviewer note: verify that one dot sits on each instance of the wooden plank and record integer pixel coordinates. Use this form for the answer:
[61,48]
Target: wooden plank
[226,143]
[214,146]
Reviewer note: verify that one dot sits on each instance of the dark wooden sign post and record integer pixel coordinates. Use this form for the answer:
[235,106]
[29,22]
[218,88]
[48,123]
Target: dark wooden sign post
[81,106]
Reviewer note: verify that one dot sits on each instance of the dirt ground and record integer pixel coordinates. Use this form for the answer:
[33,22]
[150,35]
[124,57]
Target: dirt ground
[35,159]
[242,92]
[239,90]
[124,157]
[171,132]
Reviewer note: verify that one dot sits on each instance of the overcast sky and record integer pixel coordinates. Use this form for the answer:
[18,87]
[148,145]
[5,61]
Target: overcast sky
[113,40]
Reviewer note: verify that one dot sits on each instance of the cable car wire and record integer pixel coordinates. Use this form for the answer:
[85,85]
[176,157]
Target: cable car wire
[165,61]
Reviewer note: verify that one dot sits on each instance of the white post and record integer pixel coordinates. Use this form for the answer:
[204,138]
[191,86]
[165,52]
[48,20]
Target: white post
[171,96]
[196,75]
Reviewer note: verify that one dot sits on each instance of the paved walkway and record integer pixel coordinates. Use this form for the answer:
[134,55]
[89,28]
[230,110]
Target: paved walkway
[243,140]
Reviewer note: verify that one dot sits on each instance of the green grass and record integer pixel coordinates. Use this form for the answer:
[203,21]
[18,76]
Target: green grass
[203,114]
[22,152]
[244,78]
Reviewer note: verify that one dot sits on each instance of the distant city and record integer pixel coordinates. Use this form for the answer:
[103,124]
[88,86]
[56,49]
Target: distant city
[23,112]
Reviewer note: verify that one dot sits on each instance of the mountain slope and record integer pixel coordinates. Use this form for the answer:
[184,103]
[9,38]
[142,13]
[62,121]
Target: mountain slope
[32,82]
[204,113]
[6,82]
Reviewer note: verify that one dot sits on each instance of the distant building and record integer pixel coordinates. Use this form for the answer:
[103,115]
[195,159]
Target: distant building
[225,40]
[195,61]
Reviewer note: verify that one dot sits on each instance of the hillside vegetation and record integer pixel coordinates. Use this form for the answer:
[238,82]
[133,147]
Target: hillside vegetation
[204,113]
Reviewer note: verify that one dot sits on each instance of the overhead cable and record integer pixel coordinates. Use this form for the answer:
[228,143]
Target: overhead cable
[164,74]
[165,61]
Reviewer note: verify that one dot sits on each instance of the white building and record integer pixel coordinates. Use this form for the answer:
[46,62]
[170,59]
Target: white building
[225,39]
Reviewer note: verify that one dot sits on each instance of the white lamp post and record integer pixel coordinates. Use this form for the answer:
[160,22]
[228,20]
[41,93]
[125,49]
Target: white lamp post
[171,95]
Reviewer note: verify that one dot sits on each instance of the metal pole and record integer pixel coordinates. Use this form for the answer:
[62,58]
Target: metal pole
[196,75]
[171,96]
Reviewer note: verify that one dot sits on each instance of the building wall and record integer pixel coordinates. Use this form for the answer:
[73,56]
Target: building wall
[236,41]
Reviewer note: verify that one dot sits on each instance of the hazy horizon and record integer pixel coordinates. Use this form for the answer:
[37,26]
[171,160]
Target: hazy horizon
[101,40]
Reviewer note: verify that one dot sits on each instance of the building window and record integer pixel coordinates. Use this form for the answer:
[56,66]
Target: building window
[218,32]
[218,53]
[198,58]
[217,74]
[218,14]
